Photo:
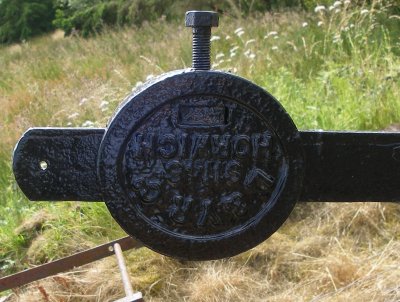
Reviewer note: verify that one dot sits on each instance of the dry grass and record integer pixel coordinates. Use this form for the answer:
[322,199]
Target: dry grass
[34,224]
[326,252]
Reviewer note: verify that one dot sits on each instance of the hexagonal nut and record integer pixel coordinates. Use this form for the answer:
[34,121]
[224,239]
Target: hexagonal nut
[201,18]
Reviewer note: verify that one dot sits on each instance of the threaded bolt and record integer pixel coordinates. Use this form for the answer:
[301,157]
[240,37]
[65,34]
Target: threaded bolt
[201,23]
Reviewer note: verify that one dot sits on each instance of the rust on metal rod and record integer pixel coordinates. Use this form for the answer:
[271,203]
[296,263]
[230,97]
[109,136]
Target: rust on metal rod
[67,263]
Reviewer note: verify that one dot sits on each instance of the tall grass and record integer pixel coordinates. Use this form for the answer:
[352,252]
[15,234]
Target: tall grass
[331,69]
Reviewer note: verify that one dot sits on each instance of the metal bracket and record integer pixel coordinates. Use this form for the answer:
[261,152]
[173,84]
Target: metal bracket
[339,166]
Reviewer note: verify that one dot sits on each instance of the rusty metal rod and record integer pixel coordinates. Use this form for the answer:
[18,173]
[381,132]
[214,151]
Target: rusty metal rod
[66,263]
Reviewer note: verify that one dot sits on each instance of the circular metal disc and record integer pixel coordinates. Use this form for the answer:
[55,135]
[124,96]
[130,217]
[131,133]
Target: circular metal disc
[201,165]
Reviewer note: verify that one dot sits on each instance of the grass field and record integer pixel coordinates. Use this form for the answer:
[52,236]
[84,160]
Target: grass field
[331,69]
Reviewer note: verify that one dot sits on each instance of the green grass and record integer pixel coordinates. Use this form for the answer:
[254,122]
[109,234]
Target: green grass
[343,74]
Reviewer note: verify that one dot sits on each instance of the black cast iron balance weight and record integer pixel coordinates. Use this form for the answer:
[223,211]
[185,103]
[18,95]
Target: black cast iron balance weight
[202,164]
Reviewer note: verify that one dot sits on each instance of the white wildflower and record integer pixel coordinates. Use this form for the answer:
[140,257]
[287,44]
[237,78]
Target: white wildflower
[240,33]
[228,37]
[274,48]
[73,115]
[271,34]
[88,124]
[351,25]
[139,83]
[331,7]
[215,38]
[319,8]
[233,49]
[337,11]
[83,101]
[347,2]
[305,24]
[336,39]
[337,4]
[320,23]
[250,41]
[219,56]
[104,105]
[249,54]
[364,12]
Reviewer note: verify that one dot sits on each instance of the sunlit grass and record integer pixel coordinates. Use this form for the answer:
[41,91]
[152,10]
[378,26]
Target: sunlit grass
[332,69]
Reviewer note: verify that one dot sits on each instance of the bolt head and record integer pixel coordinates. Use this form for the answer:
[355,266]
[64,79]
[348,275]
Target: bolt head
[201,18]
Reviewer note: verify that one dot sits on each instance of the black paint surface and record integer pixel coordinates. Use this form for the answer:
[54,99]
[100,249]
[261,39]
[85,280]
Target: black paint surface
[351,166]
[70,155]
[339,166]
[201,165]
